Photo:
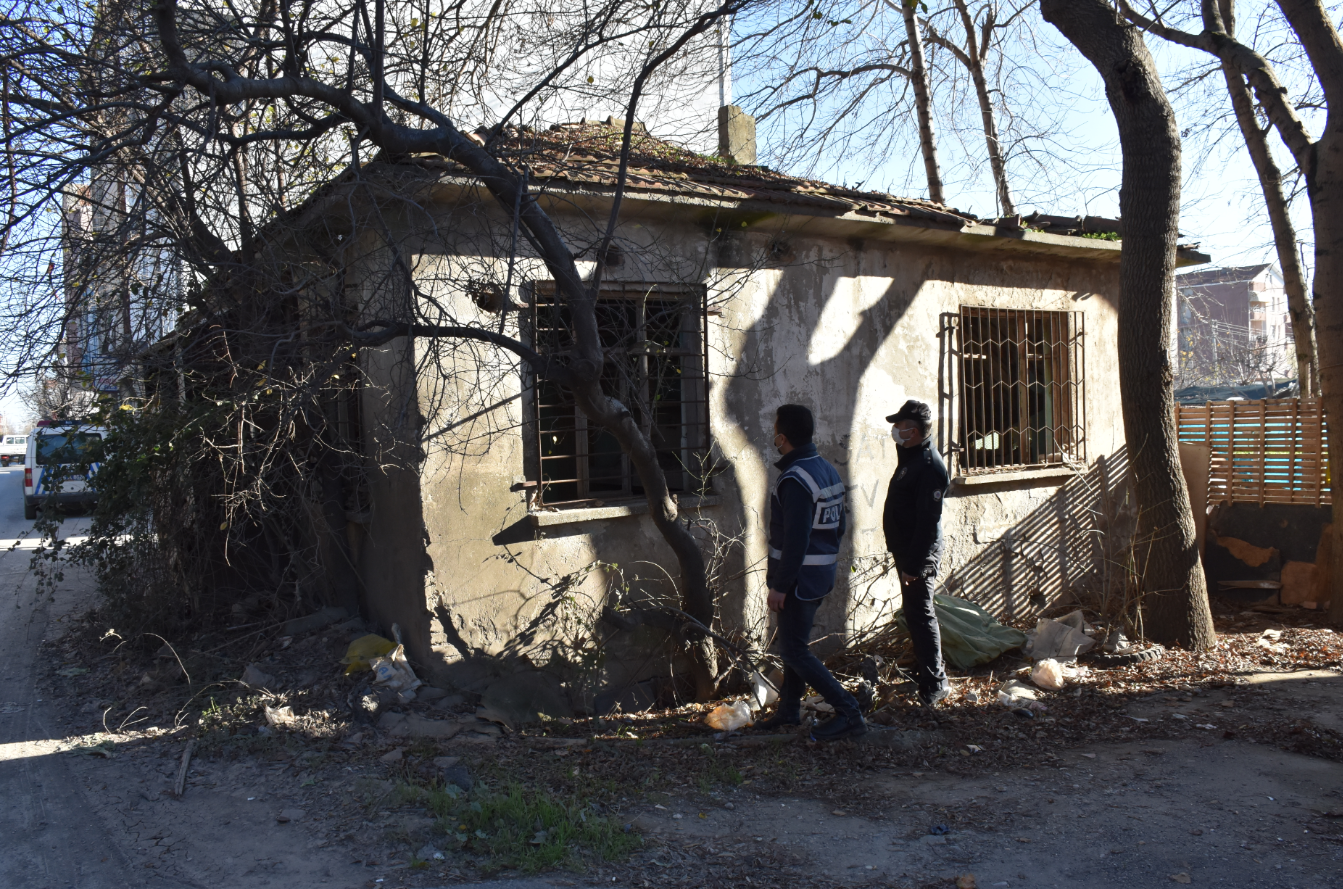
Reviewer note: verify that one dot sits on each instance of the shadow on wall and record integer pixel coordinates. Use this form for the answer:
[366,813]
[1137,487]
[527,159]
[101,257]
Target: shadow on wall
[777,367]
[592,640]
[1059,553]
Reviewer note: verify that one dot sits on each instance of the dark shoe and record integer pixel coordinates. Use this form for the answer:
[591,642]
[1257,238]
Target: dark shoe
[931,697]
[840,727]
[779,721]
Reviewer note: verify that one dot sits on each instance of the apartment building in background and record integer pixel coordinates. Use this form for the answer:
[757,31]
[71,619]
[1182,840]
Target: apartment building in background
[1232,327]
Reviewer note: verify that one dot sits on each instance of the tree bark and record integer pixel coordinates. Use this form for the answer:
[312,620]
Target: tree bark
[1175,597]
[1324,187]
[1275,201]
[923,102]
[974,61]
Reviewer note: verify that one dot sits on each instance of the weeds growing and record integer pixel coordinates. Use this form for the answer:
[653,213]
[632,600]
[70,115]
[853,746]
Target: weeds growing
[524,828]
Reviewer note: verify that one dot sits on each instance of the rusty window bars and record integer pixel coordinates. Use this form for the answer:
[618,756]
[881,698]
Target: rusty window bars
[655,338]
[1021,398]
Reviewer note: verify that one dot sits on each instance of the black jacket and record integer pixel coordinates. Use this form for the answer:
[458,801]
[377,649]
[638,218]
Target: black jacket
[912,518]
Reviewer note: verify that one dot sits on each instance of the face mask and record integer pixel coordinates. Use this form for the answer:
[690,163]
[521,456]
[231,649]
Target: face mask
[778,442]
[898,437]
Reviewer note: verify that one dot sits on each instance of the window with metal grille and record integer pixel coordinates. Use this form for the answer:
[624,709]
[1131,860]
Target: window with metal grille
[654,337]
[1021,398]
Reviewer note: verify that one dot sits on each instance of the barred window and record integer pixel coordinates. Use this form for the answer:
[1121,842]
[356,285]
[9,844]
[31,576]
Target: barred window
[1021,388]
[654,338]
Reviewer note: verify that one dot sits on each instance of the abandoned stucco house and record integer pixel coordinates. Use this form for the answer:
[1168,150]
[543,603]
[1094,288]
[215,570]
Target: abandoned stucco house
[732,290]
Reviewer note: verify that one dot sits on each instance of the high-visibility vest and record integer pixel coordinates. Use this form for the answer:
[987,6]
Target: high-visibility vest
[817,576]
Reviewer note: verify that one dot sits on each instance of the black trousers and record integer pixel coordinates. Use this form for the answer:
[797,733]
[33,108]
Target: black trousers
[921,618]
[802,668]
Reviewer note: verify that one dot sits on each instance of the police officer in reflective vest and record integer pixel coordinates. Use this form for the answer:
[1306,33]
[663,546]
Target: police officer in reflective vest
[806,522]
[912,520]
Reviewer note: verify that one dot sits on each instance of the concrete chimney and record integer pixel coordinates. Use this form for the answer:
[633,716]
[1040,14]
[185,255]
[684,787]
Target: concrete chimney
[736,135]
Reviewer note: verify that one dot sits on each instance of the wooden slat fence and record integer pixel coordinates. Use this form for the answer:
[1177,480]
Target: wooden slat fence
[1268,451]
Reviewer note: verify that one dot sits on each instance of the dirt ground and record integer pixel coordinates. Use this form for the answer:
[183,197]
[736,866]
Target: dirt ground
[1219,768]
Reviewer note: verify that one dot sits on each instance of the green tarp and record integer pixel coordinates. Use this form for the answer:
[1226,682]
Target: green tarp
[970,635]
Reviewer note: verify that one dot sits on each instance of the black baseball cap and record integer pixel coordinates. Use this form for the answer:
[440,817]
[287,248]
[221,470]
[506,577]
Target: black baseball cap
[913,410]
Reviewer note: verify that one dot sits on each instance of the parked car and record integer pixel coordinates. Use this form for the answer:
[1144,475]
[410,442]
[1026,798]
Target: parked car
[13,448]
[60,465]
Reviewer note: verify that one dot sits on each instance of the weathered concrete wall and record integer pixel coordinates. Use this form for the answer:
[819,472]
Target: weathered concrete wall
[850,328]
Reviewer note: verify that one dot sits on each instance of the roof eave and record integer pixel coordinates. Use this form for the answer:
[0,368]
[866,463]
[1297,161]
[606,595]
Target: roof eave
[773,217]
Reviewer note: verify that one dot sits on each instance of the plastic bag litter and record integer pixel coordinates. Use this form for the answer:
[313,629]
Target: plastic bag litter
[763,693]
[363,650]
[1014,693]
[1048,674]
[394,672]
[729,717]
[1055,639]
[970,635]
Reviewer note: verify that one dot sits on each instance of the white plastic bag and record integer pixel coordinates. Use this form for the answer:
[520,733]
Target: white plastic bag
[1048,674]
[1014,693]
[763,693]
[729,718]
[1054,639]
[394,672]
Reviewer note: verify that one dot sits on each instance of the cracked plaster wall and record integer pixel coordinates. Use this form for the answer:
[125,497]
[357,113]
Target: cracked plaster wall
[848,327]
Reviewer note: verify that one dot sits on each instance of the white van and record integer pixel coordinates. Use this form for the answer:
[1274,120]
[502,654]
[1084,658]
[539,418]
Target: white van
[12,449]
[56,467]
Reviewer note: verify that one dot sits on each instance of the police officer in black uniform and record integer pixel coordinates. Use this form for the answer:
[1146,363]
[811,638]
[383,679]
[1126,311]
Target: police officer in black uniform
[806,523]
[912,520]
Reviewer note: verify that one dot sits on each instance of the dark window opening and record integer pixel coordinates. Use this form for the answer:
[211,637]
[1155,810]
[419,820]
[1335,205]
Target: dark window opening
[1021,389]
[654,338]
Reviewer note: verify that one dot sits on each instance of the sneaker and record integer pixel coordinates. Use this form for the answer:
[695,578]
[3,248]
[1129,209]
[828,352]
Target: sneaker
[930,698]
[779,720]
[839,727]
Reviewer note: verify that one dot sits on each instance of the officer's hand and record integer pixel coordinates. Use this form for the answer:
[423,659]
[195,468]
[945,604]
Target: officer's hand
[907,578]
[776,600]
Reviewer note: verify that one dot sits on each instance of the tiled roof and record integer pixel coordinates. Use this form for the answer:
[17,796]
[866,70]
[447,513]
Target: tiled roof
[588,154]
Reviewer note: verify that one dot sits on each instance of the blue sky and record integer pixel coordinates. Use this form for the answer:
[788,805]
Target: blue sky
[1222,208]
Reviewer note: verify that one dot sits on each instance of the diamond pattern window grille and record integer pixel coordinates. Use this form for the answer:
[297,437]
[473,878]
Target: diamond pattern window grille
[1020,400]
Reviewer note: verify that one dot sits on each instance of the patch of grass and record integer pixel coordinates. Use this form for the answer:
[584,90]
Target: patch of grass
[529,829]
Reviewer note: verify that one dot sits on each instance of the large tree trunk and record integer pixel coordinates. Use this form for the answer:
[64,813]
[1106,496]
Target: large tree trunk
[1323,166]
[974,61]
[1175,601]
[923,102]
[1284,233]
[1326,204]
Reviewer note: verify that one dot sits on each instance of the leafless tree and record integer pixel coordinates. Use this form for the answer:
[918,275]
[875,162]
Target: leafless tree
[56,394]
[841,78]
[202,133]
[982,29]
[1215,353]
[876,82]
[1175,600]
[1320,158]
[923,97]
